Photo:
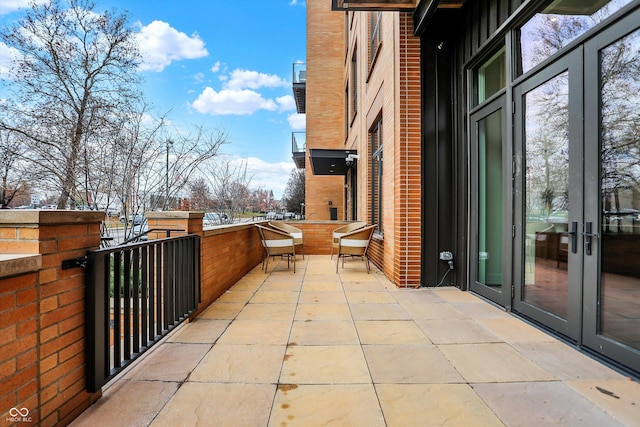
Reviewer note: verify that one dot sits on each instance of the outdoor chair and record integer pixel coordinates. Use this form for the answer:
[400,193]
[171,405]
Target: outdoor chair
[276,242]
[341,231]
[355,243]
[295,232]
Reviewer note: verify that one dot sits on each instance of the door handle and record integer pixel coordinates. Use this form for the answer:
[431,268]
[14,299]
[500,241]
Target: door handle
[574,237]
[588,236]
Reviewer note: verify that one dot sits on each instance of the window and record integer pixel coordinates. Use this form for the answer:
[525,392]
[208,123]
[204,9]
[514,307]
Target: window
[375,35]
[376,174]
[557,25]
[490,77]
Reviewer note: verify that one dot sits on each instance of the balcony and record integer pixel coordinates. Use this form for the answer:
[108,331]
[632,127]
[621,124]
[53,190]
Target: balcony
[320,348]
[299,148]
[300,86]
[316,347]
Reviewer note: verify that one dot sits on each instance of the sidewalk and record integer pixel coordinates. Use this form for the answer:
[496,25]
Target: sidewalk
[317,348]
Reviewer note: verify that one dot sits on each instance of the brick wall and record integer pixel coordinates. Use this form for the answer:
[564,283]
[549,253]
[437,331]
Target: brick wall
[324,104]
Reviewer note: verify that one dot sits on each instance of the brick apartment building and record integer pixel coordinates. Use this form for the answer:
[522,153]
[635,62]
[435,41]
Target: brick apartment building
[508,134]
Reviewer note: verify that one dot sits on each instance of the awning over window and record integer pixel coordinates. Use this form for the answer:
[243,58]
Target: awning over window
[330,162]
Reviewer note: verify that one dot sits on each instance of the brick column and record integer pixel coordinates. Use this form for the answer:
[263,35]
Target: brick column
[48,314]
[183,222]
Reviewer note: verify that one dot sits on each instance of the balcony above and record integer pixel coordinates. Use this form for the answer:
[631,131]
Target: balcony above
[299,148]
[300,86]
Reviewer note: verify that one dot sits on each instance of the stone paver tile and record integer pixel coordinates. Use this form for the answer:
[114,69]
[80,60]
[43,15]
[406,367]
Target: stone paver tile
[227,363]
[235,296]
[431,311]
[283,312]
[221,310]
[350,405]
[512,330]
[280,286]
[620,398]
[321,286]
[378,312]
[495,362]
[372,297]
[456,331]
[372,285]
[117,408]
[323,312]
[390,332]
[542,404]
[285,277]
[565,362]
[200,331]
[480,310]
[323,332]
[275,297]
[311,277]
[271,332]
[409,364]
[320,297]
[205,404]
[453,295]
[340,364]
[169,362]
[247,285]
[434,405]
[415,296]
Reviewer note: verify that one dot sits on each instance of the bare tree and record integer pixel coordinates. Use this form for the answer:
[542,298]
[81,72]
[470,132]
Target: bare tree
[200,195]
[294,193]
[230,187]
[12,172]
[76,69]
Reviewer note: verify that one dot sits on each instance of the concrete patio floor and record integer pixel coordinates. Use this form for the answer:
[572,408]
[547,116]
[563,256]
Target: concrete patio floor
[317,348]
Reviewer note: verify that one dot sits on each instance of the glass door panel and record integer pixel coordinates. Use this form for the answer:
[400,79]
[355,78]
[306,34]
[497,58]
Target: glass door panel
[490,221]
[546,195]
[620,191]
[491,203]
[612,249]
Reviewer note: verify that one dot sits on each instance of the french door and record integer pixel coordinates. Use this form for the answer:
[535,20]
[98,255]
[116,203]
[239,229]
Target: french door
[577,194]
[491,203]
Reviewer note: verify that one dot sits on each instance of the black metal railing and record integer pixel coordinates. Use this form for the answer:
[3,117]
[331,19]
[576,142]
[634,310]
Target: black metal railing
[136,294]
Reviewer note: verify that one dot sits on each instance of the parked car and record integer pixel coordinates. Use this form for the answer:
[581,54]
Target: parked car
[289,215]
[271,215]
[211,218]
[133,219]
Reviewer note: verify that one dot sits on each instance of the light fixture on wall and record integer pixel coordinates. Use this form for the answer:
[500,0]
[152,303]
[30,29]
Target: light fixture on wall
[351,158]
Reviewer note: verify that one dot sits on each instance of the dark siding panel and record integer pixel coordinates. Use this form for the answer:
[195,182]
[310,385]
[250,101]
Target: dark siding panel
[482,19]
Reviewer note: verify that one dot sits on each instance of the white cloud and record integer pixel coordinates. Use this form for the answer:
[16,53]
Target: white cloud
[7,56]
[297,121]
[247,79]
[216,67]
[8,6]
[297,3]
[286,103]
[268,176]
[242,102]
[161,44]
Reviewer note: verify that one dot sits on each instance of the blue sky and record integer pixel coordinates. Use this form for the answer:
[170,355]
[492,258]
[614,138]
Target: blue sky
[222,64]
